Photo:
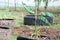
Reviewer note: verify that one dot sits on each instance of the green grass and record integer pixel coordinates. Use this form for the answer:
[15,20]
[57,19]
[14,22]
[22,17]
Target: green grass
[56,26]
[13,37]
[15,15]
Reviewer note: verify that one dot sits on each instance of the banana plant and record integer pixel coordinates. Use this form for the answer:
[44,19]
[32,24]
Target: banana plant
[31,11]
[43,14]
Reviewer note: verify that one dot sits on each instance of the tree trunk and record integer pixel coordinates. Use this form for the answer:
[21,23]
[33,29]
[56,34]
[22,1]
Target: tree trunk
[15,4]
[8,3]
[38,5]
[46,5]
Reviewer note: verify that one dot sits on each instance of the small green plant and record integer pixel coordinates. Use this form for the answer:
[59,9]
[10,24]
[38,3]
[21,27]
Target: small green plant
[42,14]
[37,34]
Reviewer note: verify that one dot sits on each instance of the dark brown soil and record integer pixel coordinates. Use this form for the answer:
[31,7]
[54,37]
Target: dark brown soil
[50,32]
[45,33]
[23,30]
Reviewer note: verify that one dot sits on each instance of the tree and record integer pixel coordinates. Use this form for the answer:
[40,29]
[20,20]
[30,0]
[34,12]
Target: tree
[46,3]
[37,3]
[15,4]
[8,3]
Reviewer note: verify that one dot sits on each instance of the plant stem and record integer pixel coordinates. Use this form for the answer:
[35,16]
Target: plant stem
[15,4]
[35,19]
[46,4]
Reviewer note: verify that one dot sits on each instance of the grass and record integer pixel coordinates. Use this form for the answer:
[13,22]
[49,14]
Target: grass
[13,37]
[56,26]
[15,15]
[54,8]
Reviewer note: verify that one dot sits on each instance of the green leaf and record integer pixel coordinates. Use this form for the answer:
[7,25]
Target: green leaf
[42,13]
[43,19]
[28,9]
[47,14]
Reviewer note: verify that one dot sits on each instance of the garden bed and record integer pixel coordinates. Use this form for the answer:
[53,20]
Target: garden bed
[45,33]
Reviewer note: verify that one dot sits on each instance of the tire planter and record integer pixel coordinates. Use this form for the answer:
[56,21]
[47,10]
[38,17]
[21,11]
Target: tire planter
[30,20]
[23,38]
[5,30]
[6,22]
[4,27]
[5,33]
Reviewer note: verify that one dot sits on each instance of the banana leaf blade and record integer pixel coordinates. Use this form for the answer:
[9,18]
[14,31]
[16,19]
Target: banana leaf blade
[44,19]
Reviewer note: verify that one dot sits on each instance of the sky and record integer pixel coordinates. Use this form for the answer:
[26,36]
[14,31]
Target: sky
[28,2]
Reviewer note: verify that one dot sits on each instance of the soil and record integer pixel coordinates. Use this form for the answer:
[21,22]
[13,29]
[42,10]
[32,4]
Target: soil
[45,33]
[50,33]
[23,30]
